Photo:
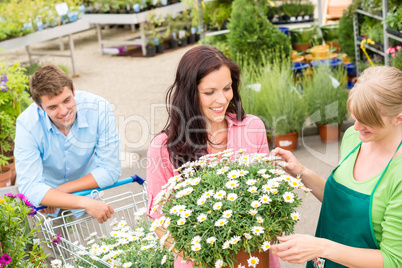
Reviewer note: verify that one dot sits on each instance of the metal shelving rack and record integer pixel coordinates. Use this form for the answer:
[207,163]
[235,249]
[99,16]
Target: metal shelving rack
[386,34]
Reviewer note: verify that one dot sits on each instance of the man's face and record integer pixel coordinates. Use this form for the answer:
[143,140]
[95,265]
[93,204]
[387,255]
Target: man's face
[62,109]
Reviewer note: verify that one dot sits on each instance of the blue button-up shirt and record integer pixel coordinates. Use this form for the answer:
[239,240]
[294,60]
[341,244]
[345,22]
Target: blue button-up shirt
[45,158]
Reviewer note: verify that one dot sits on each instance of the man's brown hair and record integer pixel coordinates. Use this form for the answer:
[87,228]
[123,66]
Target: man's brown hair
[48,80]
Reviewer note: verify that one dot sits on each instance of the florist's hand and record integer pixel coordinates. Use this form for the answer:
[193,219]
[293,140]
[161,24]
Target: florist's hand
[298,248]
[48,210]
[99,210]
[293,166]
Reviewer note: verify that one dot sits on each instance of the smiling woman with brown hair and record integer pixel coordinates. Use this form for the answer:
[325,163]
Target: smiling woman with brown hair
[205,116]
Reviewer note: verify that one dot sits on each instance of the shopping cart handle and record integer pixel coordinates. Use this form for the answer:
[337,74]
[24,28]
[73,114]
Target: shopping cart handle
[134,178]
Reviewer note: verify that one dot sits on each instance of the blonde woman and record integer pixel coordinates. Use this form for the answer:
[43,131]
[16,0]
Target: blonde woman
[360,222]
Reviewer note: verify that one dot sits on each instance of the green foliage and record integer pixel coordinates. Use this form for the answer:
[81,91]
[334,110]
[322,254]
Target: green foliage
[395,56]
[13,100]
[394,18]
[216,13]
[251,35]
[346,37]
[291,10]
[372,6]
[326,98]
[217,207]
[126,247]
[220,42]
[280,103]
[15,234]
[21,17]
[373,29]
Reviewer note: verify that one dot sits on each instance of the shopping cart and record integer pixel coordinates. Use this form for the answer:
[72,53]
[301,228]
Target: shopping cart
[74,228]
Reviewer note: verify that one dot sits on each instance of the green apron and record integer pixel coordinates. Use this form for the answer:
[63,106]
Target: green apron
[345,215]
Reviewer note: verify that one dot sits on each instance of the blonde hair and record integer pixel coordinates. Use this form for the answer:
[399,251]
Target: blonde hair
[377,92]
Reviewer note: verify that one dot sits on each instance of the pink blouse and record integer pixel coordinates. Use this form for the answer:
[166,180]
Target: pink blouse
[249,134]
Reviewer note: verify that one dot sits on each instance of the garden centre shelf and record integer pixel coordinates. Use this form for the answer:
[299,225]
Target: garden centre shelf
[130,19]
[46,35]
[387,35]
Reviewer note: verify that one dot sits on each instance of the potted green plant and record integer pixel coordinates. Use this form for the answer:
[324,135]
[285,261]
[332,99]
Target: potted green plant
[17,246]
[393,21]
[13,100]
[395,56]
[279,101]
[326,95]
[301,38]
[330,33]
[291,10]
[227,208]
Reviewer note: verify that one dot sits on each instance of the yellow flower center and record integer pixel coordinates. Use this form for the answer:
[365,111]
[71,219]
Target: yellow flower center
[252,261]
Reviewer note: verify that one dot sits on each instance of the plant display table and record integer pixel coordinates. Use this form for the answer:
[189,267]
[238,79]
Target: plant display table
[130,19]
[46,35]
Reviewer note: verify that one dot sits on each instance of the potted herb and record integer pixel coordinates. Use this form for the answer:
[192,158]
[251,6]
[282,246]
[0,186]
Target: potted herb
[326,95]
[291,10]
[226,208]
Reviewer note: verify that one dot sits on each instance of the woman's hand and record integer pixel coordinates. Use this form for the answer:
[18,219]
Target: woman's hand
[293,166]
[298,248]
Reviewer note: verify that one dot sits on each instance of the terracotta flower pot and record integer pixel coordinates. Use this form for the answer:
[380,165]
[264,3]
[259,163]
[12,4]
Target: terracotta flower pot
[242,258]
[11,165]
[5,176]
[329,133]
[287,141]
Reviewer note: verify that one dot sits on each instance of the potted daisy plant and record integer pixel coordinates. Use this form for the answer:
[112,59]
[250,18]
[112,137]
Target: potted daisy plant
[226,209]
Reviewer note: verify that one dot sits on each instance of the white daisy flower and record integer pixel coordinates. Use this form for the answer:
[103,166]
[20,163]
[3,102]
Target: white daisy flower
[232,197]
[234,240]
[201,201]
[221,222]
[164,259]
[180,209]
[255,204]
[127,264]
[241,266]
[251,182]
[202,217]
[211,240]
[226,245]
[187,213]
[265,246]
[262,171]
[288,197]
[196,240]
[295,215]
[274,191]
[233,174]
[213,164]
[265,199]
[273,183]
[220,194]
[242,172]
[167,222]
[232,184]
[208,194]
[276,171]
[56,263]
[227,214]
[266,188]
[252,189]
[195,181]
[253,261]
[222,170]
[257,230]
[266,176]
[294,183]
[217,206]
[180,194]
[218,264]
[181,221]
[247,235]
[196,247]
[253,212]
[188,190]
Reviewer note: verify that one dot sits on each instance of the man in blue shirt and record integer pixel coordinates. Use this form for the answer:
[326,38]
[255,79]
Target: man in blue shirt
[65,142]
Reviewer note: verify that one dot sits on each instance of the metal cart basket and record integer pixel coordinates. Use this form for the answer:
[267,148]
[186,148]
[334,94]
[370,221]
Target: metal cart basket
[77,230]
